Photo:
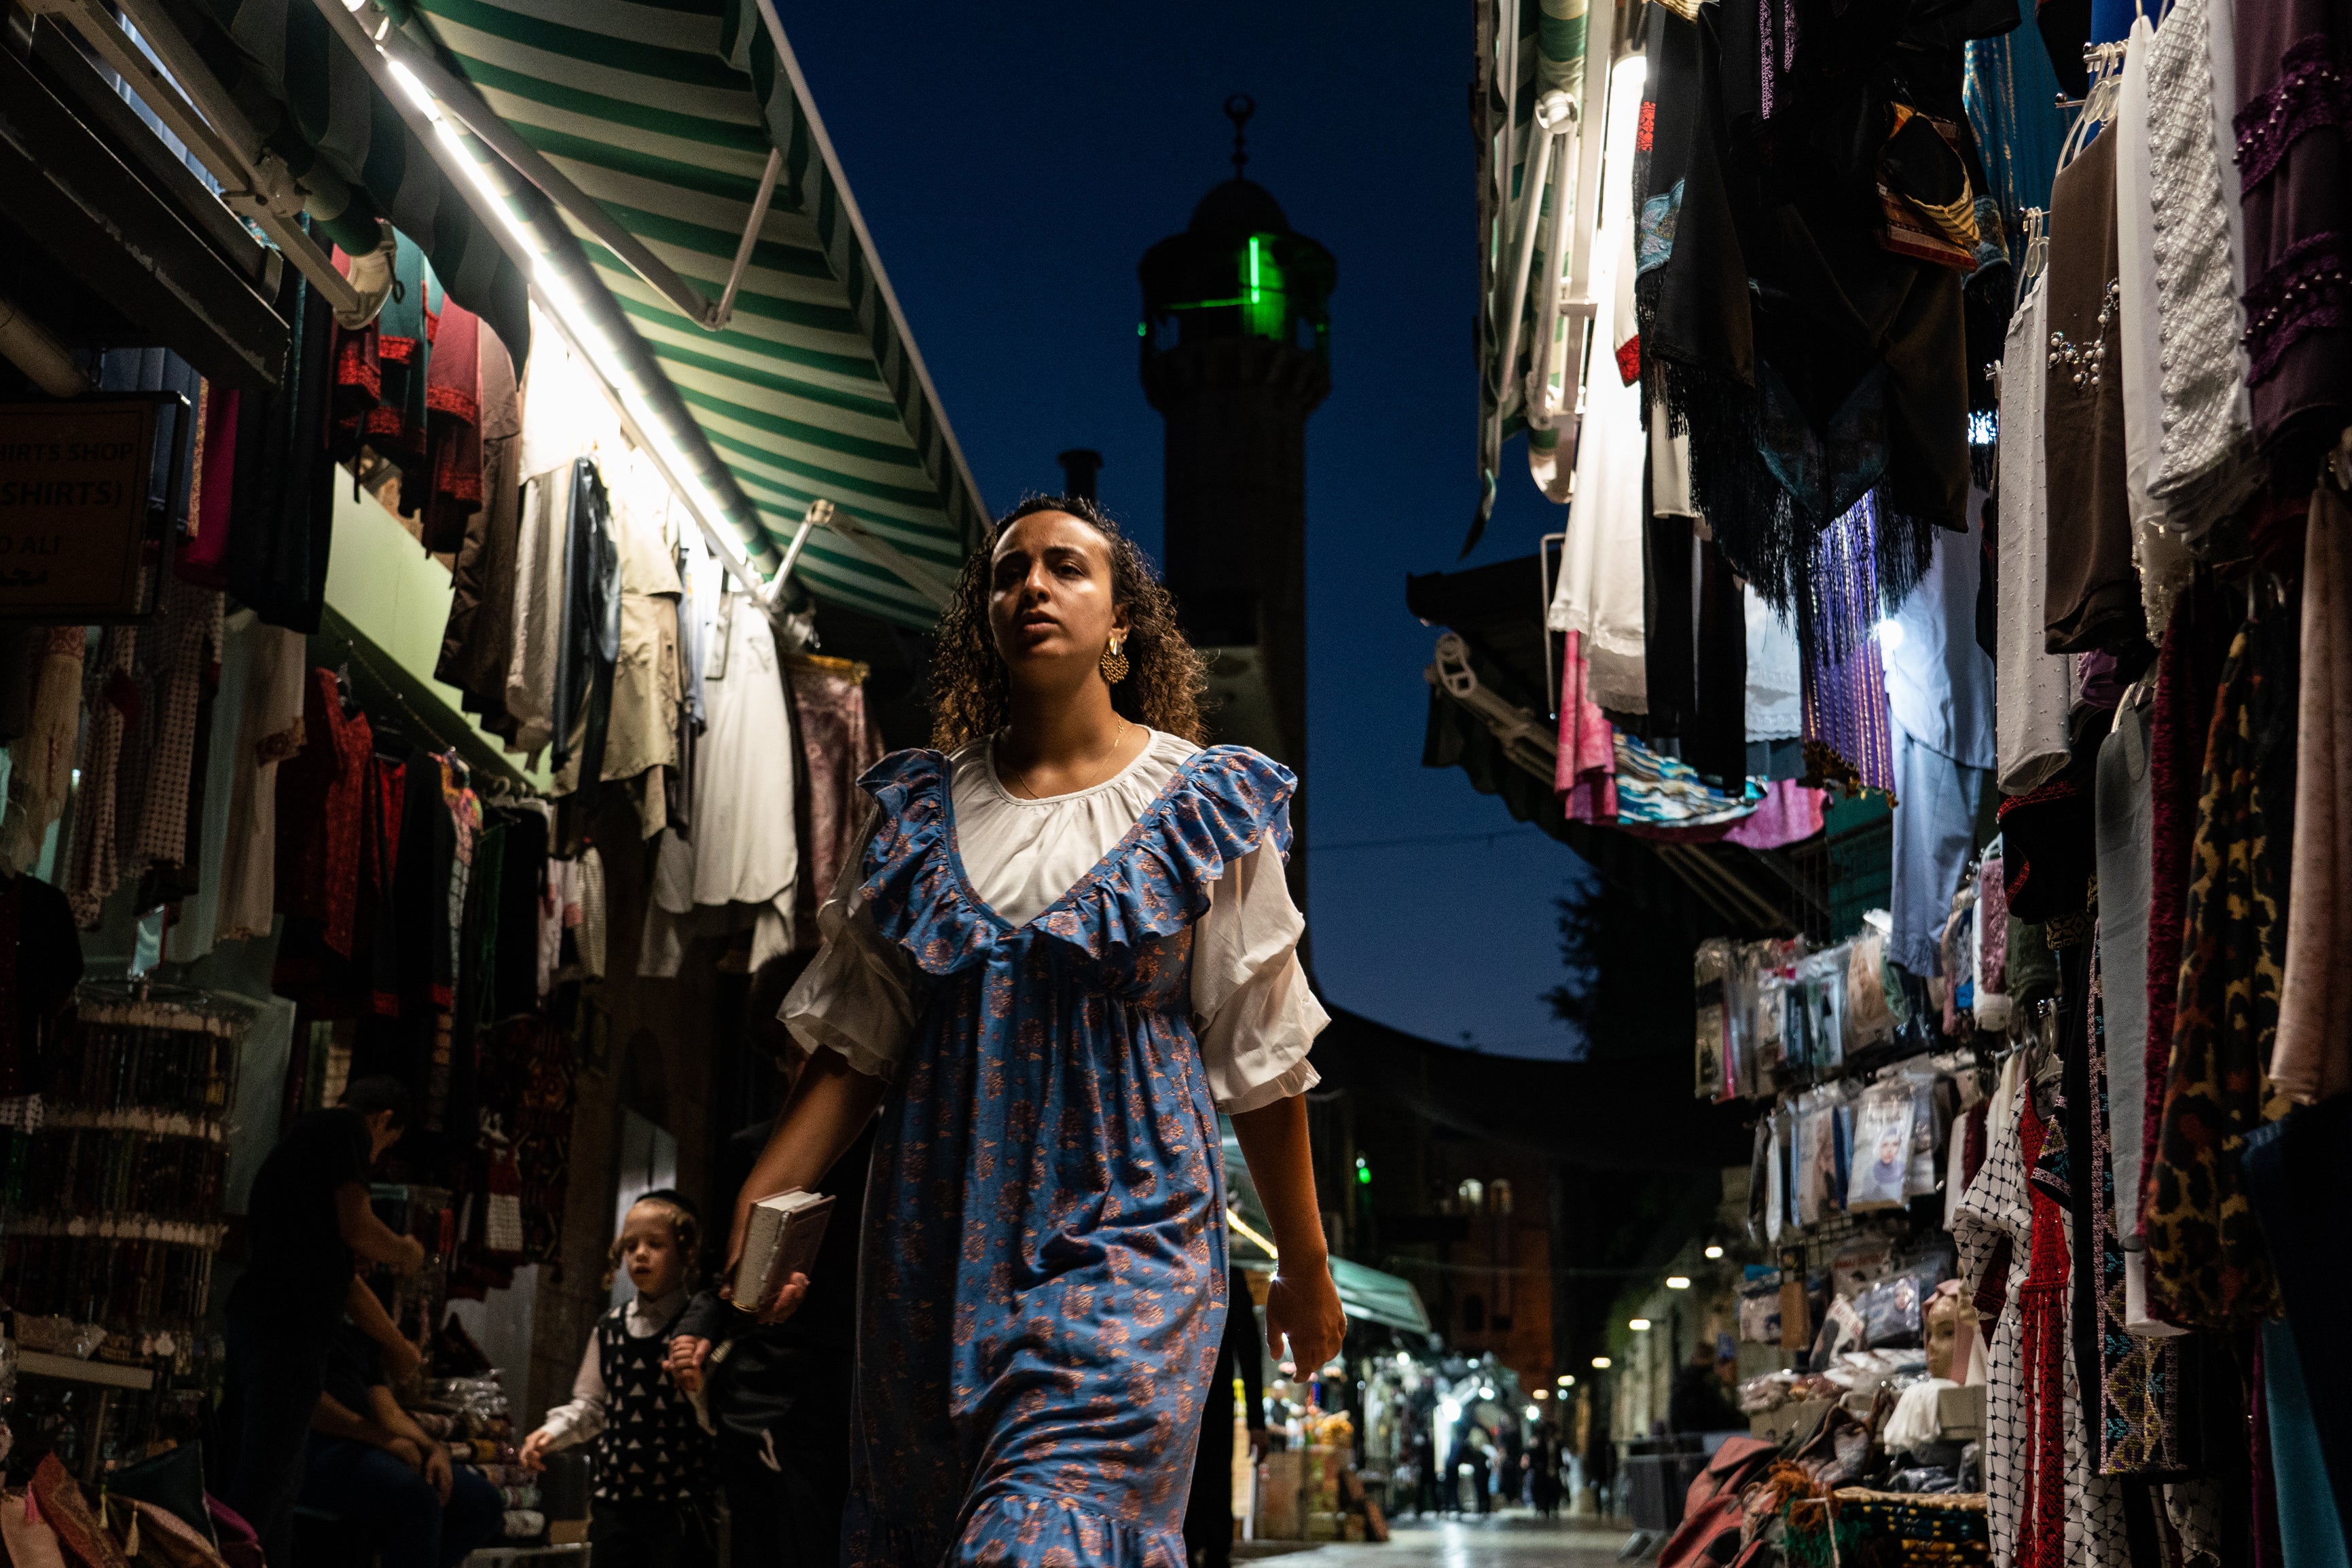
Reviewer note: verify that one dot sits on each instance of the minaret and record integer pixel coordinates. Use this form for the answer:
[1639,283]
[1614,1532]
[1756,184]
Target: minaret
[1236,355]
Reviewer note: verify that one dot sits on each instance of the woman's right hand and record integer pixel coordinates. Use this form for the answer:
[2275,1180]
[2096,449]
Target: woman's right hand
[1303,1304]
[785,1302]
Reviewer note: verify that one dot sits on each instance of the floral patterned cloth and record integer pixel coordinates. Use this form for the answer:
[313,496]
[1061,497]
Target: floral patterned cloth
[2208,1267]
[1044,1262]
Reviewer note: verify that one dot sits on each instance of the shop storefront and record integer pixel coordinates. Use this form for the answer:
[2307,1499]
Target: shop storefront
[1943,632]
[433,646]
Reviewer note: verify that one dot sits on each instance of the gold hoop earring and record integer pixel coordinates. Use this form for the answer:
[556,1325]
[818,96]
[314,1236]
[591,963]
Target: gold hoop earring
[1114,663]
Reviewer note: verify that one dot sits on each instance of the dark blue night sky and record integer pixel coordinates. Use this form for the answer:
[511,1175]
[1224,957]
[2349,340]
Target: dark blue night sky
[1014,162]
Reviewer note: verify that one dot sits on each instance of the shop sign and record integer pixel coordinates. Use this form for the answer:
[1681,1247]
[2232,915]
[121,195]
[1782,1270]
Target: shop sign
[76,525]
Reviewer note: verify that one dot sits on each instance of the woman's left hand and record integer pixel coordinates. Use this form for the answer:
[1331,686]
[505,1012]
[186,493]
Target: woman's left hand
[1303,1304]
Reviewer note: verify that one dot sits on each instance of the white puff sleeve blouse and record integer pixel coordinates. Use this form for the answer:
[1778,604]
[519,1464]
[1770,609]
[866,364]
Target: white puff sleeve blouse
[1252,1011]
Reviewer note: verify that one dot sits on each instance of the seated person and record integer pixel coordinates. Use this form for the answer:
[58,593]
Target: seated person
[371,1464]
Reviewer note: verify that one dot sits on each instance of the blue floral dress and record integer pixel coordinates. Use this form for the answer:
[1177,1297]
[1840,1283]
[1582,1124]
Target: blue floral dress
[1043,1283]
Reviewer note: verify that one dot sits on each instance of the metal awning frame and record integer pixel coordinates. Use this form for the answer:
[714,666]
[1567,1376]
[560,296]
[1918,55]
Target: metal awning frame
[464,102]
[255,181]
[1533,747]
[389,56]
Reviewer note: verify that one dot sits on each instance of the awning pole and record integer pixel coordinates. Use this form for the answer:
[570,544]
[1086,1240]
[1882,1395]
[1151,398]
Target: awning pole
[464,102]
[922,579]
[819,511]
[726,311]
[1550,108]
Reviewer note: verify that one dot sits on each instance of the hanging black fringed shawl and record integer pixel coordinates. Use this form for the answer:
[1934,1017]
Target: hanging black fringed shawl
[1807,217]
[1690,293]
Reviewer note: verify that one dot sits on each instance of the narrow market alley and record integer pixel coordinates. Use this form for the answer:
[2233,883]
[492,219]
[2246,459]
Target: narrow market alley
[1624,800]
[1511,1537]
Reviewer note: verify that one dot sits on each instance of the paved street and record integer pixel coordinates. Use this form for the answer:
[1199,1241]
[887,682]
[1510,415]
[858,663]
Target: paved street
[1513,1539]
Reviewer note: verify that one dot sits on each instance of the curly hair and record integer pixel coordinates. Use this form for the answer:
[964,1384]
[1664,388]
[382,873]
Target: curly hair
[1167,676]
[685,1229]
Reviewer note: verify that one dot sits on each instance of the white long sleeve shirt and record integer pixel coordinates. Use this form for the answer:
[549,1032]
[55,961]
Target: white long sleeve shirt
[569,1425]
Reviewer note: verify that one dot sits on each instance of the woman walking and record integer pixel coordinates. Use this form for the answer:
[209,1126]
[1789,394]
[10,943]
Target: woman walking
[1066,944]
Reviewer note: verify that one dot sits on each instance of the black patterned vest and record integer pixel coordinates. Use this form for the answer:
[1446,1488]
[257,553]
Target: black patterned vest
[652,1449]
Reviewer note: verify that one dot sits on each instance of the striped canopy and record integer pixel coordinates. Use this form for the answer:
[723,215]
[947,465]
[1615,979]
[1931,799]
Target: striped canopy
[664,114]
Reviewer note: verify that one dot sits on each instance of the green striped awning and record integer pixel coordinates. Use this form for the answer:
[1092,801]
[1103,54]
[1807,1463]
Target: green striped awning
[665,115]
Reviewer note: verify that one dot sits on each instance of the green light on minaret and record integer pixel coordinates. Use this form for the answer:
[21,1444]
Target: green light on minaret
[1266,312]
[1261,294]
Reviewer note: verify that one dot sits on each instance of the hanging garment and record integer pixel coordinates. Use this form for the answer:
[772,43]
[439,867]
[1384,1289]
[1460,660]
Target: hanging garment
[271,729]
[2207,1263]
[2137,1430]
[2035,688]
[649,677]
[1847,735]
[172,467]
[110,697]
[593,919]
[2206,465]
[204,557]
[1790,813]
[533,652]
[449,491]
[588,635]
[197,927]
[1992,1230]
[1014,1469]
[743,863]
[1584,772]
[464,809]
[1776,702]
[2092,591]
[40,763]
[2196,642]
[179,654]
[2008,91]
[2049,844]
[2298,1170]
[2125,841]
[321,821]
[1940,682]
[2297,202]
[1599,594]
[357,385]
[838,744]
[477,643]
[281,518]
[2162,558]
[2071,1515]
[395,427]
[1936,806]
[2313,1059]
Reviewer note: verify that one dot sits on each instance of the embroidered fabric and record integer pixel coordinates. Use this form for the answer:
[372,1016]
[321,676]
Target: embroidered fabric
[2312,92]
[2206,465]
[2306,289]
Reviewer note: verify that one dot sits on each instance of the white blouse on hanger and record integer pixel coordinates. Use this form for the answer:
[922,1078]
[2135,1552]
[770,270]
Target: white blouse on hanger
[1252,1009]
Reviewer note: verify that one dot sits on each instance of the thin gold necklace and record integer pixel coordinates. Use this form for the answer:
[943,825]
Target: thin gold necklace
[1117,741]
